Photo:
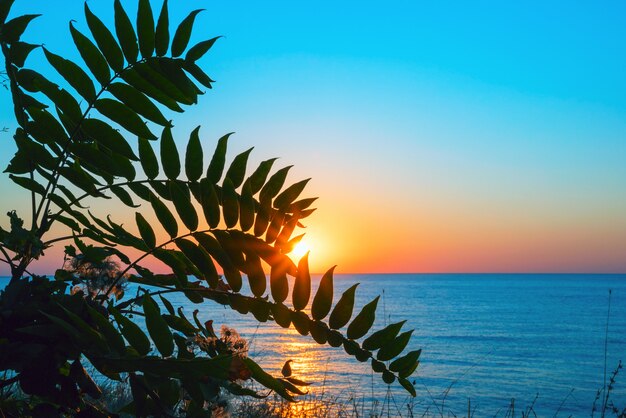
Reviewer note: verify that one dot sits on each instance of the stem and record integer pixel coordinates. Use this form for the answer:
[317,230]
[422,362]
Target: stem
[17,272]
[131,312]
[606,343]
[47,243]
[108,186]
[9,260]
[144,255]
[51,187]
[33,203]
[135,299]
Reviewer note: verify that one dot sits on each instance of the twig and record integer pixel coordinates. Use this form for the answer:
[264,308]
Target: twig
[8,258]
[563,402]
[606,345]
[454,382]
[52,241]
[432,398]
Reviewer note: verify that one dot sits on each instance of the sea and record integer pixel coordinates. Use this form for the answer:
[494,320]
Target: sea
[543,345]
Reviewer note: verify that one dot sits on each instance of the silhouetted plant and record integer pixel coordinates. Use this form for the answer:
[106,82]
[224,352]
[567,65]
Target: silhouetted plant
[73,147]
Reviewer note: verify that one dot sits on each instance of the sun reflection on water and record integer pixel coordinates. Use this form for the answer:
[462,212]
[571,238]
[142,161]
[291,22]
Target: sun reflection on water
[309,362]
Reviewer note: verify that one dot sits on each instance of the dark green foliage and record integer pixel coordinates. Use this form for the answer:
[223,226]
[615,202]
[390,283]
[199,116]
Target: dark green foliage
[73,74]
[70,152]
[162,33]
[197,51]
[342,312]
[216,166]
[302,285]
[124,116]
[363,321]
[290,194]
[91,56]
[182,203]
[169,155]
[164,216]
[379,338]
[138,102]
[145,28]
[145,230]
[394,347]
[157,327]
[322,302]
[105,40]
[237,169]
[183,33]
[193,157]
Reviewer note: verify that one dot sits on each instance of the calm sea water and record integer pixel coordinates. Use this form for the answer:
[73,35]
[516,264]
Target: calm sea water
[487,338]
[537,339]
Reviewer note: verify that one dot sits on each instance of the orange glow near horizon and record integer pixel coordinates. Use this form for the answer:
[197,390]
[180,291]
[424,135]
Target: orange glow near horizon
[440,241]
[396,233]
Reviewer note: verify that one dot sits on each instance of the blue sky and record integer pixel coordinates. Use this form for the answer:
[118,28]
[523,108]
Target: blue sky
[482,136]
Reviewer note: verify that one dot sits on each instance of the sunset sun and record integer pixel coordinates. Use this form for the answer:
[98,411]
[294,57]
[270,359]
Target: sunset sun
[299,250]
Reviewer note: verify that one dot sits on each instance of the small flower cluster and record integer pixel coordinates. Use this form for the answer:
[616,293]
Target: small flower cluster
[95,278]
[228,343]
[234,343]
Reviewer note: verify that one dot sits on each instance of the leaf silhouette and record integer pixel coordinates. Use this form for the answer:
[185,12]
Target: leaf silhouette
[105,41]
[138,102]
[92,56]
[193,156]
[169,155]
[383,336]
[322,302]
[198,50]
[157,327]
[302,285]
[73,74]
[125,33]
[164,216]
[162,33]
[183,33]
[183,206]
[124,116]
[343,309]
[145,28]
[145,230]
[362,323]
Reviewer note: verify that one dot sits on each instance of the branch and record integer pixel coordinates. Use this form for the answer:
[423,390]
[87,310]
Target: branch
[51,186]
[144,255]
[33,202]
[48,243]
[130,311]
[103,188]
[9,260]
[136,299]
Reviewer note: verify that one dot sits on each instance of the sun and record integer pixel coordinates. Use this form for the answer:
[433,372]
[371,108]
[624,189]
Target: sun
[299,250]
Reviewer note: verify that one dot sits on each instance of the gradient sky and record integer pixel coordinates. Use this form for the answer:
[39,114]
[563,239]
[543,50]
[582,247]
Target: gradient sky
[441,137]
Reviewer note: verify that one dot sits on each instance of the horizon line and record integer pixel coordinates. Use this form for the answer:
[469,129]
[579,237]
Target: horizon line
[441,273]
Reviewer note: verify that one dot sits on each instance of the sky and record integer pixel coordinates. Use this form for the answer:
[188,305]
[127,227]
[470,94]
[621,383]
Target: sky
[440,136]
